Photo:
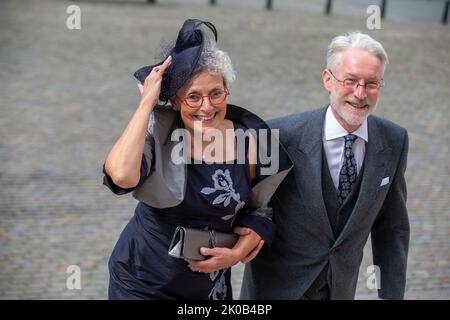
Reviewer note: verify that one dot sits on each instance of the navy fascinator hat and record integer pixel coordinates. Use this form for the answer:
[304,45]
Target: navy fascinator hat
[188,48]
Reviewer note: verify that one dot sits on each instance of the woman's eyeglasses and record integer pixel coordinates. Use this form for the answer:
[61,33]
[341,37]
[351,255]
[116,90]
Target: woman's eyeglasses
[216,97]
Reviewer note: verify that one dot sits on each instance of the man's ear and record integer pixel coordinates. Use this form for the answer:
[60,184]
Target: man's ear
[326,78]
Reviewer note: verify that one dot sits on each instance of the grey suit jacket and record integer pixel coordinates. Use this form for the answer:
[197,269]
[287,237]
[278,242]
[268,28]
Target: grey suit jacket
[304,242]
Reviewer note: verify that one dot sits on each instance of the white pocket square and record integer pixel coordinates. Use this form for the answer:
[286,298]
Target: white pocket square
[384,182]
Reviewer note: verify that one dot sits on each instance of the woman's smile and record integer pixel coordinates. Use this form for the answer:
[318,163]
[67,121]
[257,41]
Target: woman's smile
[206,118]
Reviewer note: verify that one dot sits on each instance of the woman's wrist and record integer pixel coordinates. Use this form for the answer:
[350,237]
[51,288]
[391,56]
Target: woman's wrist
[238,254]
[248,244]
[147,105]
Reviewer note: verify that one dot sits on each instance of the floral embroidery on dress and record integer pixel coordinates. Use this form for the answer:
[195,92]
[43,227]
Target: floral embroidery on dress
[219,291]
[223,182]
[224,192]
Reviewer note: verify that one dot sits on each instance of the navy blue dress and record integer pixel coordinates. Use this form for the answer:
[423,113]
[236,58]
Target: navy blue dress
[140,267]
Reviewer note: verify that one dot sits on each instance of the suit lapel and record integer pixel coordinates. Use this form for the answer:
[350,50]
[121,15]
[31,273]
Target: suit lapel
[307,158]
[375,166]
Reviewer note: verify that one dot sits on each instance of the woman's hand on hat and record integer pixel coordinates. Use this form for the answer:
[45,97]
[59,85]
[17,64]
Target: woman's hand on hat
[152,85]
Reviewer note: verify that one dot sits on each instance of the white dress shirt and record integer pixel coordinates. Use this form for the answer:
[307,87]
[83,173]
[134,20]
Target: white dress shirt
[333,144]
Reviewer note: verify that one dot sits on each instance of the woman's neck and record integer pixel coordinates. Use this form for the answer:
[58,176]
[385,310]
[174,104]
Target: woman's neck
[214,145]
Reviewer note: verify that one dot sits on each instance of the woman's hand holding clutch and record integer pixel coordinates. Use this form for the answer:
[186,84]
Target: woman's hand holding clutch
[244,251]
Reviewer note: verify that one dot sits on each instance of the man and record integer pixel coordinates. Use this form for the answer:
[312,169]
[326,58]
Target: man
[348,182]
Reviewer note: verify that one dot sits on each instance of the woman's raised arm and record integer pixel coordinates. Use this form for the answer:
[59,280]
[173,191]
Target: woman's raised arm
[123,162]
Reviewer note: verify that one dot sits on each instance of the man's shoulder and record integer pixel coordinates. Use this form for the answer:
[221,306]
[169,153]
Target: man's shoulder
[391,133]
[293,122]
[292,127]
[388,126]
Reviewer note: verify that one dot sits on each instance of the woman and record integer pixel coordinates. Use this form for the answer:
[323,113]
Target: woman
[210,190]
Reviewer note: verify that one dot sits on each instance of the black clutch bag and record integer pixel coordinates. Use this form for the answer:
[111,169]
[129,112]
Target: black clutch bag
[186,242]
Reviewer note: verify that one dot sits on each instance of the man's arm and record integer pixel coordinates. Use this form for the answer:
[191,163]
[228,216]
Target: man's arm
[390,235]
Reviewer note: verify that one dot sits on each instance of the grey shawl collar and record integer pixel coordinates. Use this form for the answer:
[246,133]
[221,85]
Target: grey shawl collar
[166,182]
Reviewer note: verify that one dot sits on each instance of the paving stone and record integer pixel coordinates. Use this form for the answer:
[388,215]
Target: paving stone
[66,95]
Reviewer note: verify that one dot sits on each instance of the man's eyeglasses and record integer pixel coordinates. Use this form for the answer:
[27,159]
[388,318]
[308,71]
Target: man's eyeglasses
[351,84]
[195,100]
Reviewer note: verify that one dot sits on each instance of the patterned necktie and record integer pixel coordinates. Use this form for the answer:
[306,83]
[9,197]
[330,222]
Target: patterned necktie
[347,176]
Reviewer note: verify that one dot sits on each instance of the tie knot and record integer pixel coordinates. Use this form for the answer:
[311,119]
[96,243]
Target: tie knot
[350,137]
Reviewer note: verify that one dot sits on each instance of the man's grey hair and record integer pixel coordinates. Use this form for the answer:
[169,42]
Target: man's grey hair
[215,61]
[357,40]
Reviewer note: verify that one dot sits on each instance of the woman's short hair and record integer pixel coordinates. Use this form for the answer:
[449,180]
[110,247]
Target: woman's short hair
[215,61]
[357,40]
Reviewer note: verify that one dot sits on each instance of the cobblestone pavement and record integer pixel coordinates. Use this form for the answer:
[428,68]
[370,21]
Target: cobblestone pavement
[66,95]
